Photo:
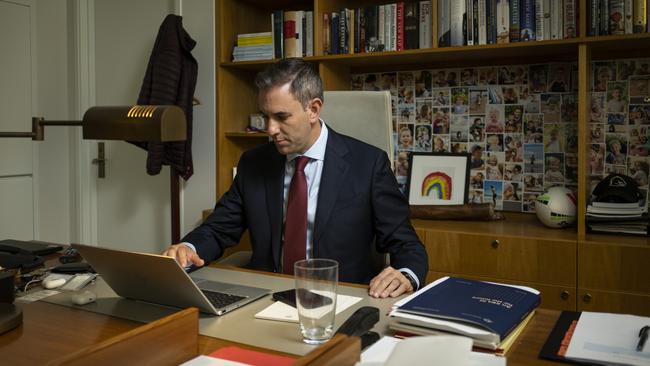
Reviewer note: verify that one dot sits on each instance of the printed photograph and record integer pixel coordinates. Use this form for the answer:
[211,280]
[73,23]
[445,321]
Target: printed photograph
[441,97]
[423,84]
[478,99]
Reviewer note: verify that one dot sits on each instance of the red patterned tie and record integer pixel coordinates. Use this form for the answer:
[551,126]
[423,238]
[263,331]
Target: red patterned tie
[295,226]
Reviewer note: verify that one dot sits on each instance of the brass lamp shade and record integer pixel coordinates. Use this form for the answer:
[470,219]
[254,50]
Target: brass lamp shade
[157,123]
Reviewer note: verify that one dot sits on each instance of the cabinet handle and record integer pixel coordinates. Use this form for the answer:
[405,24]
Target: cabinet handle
[564,295]
[586,298]
[495,243]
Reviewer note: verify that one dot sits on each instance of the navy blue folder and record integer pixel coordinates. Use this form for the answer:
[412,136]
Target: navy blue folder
[494,307]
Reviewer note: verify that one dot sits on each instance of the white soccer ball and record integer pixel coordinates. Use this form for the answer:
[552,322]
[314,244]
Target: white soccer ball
[556,208]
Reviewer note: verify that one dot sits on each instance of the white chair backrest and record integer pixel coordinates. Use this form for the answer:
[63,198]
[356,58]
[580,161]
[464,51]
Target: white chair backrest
[364,115]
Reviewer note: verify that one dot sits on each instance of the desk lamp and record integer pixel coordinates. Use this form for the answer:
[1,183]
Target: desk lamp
[151,123]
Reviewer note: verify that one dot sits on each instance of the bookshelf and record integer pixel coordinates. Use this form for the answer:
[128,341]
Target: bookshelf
[569,266]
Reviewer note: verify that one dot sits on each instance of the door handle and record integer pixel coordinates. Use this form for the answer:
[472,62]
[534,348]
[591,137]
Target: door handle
[100,161]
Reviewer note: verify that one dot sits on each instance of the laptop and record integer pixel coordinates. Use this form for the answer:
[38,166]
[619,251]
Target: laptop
[161,280]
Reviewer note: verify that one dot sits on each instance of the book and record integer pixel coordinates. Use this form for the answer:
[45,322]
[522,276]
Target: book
[469,21]
[617,204]
[503,21]
[411,25]
[616,18]
[425,24]
[515,29]
[491,21]
[482,22]
[527,20]
[291,23]
[277,23]
[406,330]
[593,19]
[640,16]
[629,16]
[309,33]
[444,27]
[570,24]
[556,19]
[399,24]
[457,21]
[614,211]
[484,311]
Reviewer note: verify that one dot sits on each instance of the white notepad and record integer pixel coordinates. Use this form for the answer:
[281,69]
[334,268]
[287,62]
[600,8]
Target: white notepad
[280,311]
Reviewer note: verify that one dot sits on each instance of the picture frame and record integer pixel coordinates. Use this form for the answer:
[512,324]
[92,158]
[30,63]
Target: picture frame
[438,178]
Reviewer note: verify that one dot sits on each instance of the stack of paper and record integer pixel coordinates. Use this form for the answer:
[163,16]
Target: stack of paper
[620,218]
[491,314]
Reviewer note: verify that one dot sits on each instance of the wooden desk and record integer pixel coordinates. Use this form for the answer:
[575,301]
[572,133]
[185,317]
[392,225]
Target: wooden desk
[51,331]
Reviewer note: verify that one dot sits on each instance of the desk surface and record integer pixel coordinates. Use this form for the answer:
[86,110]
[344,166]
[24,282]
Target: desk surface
[50,331]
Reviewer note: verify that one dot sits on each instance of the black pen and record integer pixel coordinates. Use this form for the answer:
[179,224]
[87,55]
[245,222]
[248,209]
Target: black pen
[643,336]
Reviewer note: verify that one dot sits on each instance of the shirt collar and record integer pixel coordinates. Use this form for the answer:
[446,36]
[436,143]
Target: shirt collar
[317,150]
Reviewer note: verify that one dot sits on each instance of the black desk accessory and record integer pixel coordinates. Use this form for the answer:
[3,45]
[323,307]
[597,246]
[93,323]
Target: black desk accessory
[70,255]
[13,257]
[32,247]
[11,316]
[74,267]
[360,322]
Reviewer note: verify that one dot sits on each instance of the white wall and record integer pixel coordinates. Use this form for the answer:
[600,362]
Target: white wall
[200,191]
[124,35]
[54,176]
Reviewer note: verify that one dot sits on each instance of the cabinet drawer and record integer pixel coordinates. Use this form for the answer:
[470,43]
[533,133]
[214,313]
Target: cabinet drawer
[613,302]
[614,267]
[553,297]
[520,259]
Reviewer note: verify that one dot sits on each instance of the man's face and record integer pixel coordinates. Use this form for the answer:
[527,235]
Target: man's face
[293,128]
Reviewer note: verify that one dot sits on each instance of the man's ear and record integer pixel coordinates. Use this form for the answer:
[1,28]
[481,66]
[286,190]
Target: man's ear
[313,109]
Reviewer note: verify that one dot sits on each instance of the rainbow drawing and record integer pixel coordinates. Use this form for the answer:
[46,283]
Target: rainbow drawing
[437,184]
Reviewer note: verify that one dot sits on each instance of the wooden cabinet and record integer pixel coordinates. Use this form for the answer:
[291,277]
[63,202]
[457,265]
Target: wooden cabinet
[613,274]
[564,264]
[518,251]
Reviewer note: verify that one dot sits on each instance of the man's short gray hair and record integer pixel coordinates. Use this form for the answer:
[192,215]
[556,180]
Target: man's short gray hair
[306,84]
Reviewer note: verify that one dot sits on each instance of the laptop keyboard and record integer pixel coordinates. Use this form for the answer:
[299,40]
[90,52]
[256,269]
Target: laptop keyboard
[220,299]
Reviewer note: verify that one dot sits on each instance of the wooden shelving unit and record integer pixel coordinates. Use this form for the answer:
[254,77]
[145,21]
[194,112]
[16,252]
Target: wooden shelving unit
[558,262]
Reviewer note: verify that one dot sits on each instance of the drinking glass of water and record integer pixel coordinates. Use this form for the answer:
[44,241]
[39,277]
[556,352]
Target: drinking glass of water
[316,282]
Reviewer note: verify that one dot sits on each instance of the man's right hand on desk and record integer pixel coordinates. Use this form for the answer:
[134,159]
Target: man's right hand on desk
[184,255]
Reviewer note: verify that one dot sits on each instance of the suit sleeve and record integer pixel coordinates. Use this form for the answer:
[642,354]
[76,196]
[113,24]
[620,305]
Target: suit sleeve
[224,227]
[394,233]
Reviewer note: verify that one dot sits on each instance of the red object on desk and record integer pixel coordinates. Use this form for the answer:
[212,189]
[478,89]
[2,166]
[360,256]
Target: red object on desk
[250,357]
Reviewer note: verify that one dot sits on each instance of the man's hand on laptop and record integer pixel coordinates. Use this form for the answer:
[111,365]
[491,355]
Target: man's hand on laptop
[184,255]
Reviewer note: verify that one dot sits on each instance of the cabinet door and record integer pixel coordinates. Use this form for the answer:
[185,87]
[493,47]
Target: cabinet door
[512,258]
[553,297]
[613,302]
[614,267]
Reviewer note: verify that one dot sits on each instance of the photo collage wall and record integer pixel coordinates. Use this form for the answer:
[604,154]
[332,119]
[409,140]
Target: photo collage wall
[518,122]
[619,121]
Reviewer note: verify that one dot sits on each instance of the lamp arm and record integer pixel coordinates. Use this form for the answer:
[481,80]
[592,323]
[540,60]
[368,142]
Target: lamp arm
[38,130]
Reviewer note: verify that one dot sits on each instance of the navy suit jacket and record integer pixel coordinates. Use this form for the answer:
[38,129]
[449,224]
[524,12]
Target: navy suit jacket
[359,205]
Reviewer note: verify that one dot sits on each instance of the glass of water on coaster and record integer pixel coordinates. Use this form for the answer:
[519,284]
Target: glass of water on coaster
[316,282]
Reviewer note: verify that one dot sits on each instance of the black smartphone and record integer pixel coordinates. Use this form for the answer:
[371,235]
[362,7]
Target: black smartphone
[313,300]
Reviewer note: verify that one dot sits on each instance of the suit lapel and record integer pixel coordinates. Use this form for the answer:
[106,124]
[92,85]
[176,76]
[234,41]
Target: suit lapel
[274,184]
[335,169]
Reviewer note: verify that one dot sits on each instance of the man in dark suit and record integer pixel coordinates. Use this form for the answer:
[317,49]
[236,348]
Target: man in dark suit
[352,198]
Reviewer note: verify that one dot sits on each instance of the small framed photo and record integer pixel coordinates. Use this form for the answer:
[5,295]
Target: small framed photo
[438,179]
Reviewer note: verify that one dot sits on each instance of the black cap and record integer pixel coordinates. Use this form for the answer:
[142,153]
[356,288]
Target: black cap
[617,188]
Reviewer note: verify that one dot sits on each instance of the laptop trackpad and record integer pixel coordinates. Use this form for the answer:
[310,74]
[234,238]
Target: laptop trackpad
[204,284]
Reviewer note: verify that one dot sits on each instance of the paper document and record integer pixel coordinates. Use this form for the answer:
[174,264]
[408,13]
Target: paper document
[282,312]
[609,339]
[203,360]
[441,350]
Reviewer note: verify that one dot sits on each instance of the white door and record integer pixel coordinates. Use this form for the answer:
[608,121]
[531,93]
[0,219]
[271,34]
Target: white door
[133,208]
[17,181]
